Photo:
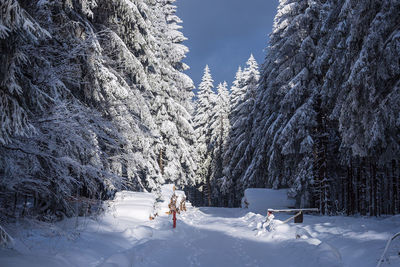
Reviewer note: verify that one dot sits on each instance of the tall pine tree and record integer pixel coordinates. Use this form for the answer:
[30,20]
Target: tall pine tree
[242,104]
[202,116]
[220,127]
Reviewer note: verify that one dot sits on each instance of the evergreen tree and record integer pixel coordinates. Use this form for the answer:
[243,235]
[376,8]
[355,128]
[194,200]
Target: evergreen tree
[225,183]
[172,103]
[18,31]
[243,96]
[322,123]
[100,78]
[220,127]
[282,145]
[202,116]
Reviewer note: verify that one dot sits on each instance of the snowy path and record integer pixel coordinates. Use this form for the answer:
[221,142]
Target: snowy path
[227,237]
[204,237]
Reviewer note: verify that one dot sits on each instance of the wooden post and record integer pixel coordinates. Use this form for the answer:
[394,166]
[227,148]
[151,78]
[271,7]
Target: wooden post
[172,208]
[299,218]
[174,219]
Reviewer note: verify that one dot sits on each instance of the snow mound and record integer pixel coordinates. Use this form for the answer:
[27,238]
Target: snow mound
[254,220]
[259,200]
[133,205]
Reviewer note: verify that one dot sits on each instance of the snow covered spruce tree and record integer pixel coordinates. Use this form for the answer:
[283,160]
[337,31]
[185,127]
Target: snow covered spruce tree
[172,104]
[93,74]
[18,30]
[242,103]
[61,159]
[369,105]
[285,116]
[357,82]
[322,122]
[220,127]
[225,183]
[201,119]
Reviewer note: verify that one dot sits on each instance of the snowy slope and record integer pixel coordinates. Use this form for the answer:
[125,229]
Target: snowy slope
[124,236]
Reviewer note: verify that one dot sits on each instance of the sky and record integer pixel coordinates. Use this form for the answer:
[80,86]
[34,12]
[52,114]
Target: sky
[223,34]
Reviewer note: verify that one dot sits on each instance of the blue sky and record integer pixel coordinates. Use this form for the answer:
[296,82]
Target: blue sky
[223,33]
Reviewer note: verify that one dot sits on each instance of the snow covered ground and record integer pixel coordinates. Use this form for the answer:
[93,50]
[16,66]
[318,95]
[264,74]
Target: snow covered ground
[124,236]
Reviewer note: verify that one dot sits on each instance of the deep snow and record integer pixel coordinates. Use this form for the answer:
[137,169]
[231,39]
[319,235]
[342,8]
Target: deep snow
[124,236]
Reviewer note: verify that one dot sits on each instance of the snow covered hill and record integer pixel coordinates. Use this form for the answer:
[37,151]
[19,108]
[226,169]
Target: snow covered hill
[124,236]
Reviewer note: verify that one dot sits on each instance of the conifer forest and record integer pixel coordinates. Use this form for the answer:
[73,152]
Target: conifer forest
[94,99]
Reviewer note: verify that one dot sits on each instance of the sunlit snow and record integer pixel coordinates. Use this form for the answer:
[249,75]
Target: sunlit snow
[124,236]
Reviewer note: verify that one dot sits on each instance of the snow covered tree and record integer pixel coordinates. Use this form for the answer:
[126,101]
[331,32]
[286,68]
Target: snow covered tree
[220,127]
[242,104]
[70,154]
[172,104]
[369,108]
[351,37]
[201,119]
[225,183]
[18,32]
[86,94]
[284,116]
[322,123]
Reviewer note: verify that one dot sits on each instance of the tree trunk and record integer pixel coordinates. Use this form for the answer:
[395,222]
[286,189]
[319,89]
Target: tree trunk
[350,190]
[374,190]
[358,188]
[371,190]
[364,188]
[394,186]
[209,193]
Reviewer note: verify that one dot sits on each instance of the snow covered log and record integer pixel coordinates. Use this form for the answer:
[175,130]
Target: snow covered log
[134,205]
[259,200]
